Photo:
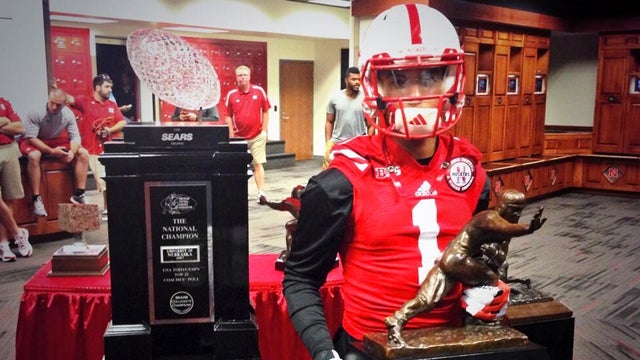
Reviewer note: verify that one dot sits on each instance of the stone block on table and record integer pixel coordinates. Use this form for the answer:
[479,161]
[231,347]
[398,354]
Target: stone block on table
[76,218]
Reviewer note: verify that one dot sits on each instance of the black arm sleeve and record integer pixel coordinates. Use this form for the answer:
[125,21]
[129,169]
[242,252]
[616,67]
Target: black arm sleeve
[483,201]
[326,205]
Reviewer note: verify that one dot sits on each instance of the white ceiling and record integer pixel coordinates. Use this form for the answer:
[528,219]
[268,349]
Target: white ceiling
[237,17]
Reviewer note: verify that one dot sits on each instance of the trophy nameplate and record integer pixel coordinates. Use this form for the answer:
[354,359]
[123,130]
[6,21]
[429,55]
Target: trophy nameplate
[443,341]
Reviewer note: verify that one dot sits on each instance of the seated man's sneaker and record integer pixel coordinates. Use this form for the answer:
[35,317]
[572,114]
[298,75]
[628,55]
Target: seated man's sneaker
[78,199]
[38,207]
[5,252]
[22,239]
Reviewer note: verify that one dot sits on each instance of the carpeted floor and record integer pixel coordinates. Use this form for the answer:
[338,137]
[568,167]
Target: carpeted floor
[587,256]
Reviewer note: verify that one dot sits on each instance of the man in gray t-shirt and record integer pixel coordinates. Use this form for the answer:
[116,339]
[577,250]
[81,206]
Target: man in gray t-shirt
[345,118]
[52,131]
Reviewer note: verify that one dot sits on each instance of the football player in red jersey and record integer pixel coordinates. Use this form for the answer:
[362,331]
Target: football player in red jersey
[389,203]
[101,120]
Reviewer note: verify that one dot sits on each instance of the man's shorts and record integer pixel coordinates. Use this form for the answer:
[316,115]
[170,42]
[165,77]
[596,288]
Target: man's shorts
[10,179]
[258,148]
[26,148]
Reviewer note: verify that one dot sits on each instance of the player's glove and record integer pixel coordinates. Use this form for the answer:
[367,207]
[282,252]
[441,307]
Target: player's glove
[488,303]
[327,355]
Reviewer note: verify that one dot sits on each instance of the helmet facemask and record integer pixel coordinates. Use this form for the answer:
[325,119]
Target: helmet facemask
[417,96]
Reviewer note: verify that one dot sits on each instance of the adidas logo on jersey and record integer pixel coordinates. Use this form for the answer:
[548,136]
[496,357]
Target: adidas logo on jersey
[425,190]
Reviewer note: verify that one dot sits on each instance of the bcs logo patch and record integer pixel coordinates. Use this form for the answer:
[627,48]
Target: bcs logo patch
[461,174]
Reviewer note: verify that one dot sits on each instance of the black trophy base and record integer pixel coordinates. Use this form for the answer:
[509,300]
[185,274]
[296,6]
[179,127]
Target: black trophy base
[131,341]
[236,339]
[548,323]
[445,341]
[525,294]
[80,260]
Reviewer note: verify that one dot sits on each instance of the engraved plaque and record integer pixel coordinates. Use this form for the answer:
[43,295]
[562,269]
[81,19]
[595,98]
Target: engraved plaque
[179,249]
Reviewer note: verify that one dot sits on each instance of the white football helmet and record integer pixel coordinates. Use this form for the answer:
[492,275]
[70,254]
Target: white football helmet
[412,70]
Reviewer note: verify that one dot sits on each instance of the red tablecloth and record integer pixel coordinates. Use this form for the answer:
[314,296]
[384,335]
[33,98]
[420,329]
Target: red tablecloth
[63,317]
[277,338]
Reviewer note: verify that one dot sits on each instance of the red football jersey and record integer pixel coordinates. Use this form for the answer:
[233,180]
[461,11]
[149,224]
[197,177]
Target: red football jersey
[95,115]
[404,214]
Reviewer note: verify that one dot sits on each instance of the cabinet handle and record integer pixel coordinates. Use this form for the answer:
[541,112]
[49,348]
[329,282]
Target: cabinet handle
[611,99]
[527,100]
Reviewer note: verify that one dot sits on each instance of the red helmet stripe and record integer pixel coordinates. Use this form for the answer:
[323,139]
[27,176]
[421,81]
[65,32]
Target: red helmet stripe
[414,24]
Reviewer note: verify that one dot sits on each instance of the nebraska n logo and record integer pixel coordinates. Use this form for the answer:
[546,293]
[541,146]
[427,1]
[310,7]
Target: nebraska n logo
[613,173]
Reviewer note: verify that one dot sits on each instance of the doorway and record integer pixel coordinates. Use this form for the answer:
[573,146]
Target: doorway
[296,107]
[112,59]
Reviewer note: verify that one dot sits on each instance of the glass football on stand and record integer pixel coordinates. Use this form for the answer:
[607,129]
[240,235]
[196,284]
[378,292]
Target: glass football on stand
[79,258]
[175,71]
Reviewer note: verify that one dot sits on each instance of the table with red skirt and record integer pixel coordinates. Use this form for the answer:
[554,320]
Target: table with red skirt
[66,317]
[63,317]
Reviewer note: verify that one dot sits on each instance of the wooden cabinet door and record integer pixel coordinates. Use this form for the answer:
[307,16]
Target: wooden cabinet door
[475,124]
[608,129]
[512,124]
[470,66]
[482,125]
[464,127]
[497,128]
[500,70]
[498,109]
[631,131]
[610,100]
[537,138]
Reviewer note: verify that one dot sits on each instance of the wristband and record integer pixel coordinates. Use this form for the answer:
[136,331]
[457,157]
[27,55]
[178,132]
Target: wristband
[327,355]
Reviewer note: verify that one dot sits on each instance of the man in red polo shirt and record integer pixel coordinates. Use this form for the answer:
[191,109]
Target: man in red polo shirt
[11,188]
[248,118]
[101,121]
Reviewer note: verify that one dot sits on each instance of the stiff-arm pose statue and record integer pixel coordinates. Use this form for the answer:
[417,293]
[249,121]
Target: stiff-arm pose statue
[292,205]
[472,258]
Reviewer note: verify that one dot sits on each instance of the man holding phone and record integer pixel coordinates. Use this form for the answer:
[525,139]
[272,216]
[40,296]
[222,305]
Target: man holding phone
[53,132]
